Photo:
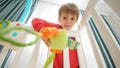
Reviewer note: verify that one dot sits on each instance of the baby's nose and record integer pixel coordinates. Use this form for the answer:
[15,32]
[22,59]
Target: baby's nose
[68,21]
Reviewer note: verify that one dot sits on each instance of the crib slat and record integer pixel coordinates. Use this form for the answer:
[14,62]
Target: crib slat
[42,57]
[34,57]
[81,58]
[66,60]
[16,59]
[3,54]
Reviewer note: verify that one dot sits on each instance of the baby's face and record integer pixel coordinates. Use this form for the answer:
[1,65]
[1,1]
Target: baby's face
[67,20]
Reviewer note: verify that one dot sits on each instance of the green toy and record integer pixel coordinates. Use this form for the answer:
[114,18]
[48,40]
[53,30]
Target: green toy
[7,28]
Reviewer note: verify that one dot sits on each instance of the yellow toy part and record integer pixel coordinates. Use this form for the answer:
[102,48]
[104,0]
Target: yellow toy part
[59,42]
[58,37]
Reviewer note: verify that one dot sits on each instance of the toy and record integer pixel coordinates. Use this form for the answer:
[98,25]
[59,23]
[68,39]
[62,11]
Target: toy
[49,32]
[57,36]
[14,33]
[11,33]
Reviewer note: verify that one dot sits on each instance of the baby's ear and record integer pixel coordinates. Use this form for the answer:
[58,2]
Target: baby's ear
[58,19]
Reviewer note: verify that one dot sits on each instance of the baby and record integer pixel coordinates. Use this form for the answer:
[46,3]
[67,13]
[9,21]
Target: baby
[68,17]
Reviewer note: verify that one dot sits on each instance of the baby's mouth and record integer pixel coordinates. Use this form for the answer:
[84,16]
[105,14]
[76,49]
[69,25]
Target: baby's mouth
[67,26]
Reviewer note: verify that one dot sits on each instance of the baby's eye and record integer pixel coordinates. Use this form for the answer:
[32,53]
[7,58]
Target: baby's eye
[64,17]
[72,18]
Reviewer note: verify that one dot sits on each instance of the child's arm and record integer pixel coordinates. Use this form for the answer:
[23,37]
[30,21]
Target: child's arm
[38,23]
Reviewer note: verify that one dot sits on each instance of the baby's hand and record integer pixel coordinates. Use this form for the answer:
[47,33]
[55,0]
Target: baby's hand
[49,32]
[46,40]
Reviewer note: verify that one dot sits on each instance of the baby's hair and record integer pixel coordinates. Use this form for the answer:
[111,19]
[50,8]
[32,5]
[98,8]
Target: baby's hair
[69,8]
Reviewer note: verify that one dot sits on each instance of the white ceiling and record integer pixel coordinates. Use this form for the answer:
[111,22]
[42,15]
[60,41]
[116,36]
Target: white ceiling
[80,3]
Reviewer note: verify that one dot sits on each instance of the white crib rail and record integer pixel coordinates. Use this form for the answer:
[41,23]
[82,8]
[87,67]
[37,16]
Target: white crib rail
[111,44]
[66,58]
